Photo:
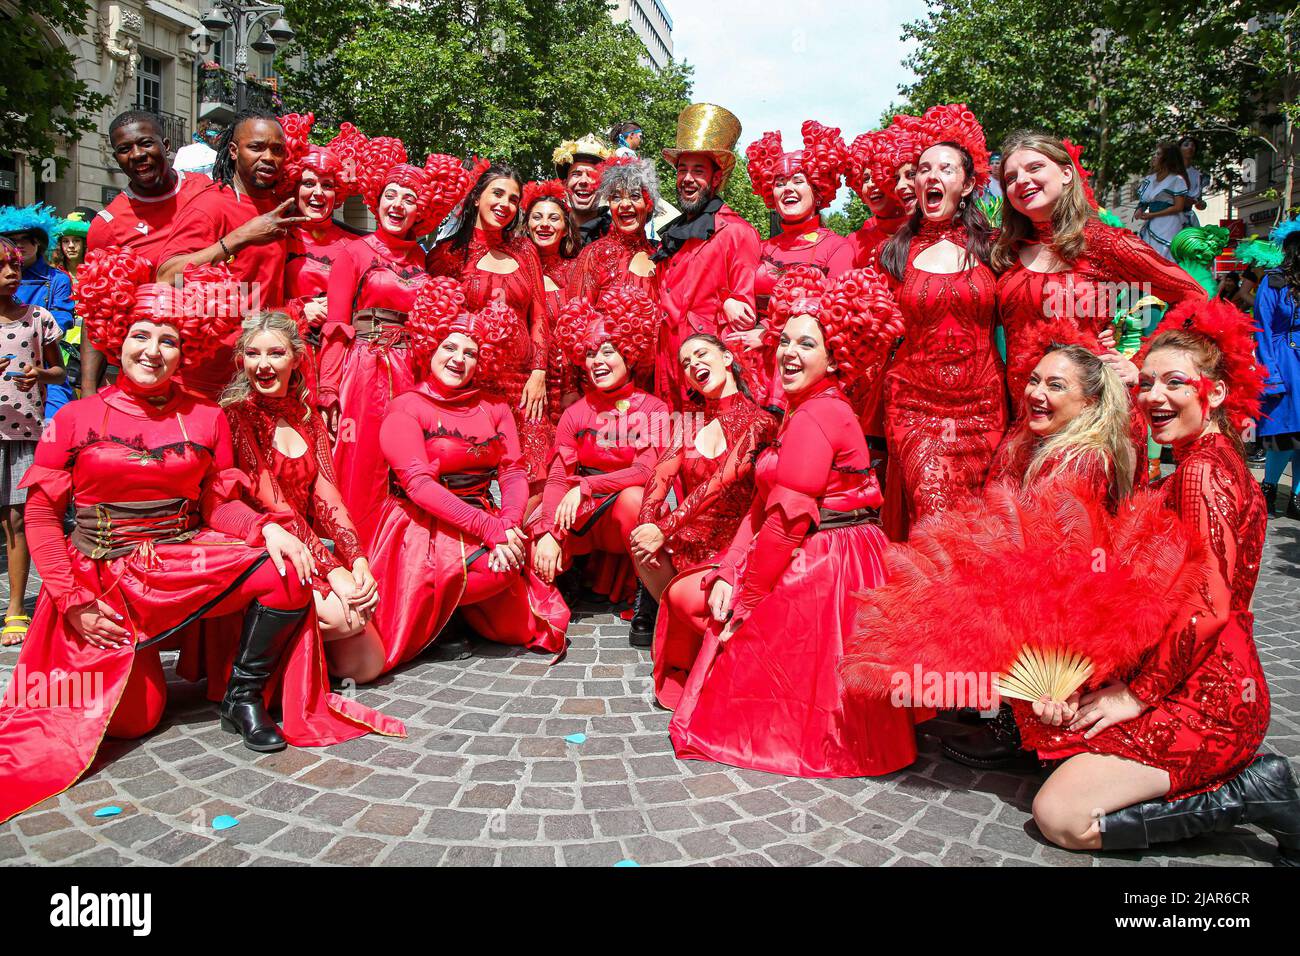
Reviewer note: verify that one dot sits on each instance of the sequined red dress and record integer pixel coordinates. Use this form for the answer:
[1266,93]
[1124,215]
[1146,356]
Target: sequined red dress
[806,243]
[606,264]
[945,403]
[365,360]
[718,493]
[524,291]
[1207,695]
[162,538]
[561,377]
[771,699]
[429,552]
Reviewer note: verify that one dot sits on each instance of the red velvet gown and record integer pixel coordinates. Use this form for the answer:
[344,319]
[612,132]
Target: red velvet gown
[162,537]
[524,291]
[445,448]
[945,400]
[718,494]
[1207,695]
[363,371]
[806,243]
[606,442]
[771,699]
[561,377]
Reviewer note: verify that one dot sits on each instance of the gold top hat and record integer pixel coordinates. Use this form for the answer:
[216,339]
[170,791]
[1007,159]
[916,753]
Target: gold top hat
[705,128]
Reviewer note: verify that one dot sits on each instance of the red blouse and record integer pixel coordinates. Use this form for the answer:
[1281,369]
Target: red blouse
[310,254]
[719,491]
[866,242]
[431,434]
[605,442]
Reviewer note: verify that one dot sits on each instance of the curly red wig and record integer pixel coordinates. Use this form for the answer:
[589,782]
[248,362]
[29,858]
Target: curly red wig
[885,152]
[953,123]
[1222,340]
[823,160]
[625,316]
[115,290]
[548,189]
[439,310]
[857,313]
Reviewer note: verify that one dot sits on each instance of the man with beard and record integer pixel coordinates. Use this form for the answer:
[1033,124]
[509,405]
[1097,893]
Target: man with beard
[708,254]
[237,220]
[140,217]
[577,165]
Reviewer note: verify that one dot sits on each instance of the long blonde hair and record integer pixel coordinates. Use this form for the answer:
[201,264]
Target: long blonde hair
[240,388]
[1100,430]
[1069,216]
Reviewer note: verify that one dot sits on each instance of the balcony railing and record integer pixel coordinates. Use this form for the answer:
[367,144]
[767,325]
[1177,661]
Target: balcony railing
[219,93]
[175,129]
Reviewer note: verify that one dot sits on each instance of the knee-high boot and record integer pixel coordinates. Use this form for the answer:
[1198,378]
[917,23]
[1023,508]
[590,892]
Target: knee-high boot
[266,631]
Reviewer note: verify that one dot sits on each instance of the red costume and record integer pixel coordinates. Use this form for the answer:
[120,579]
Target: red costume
[445,448]
[709,259]
[606,264]
[143,224]
[523,290]
[718,494]
[773,701]
[560,380]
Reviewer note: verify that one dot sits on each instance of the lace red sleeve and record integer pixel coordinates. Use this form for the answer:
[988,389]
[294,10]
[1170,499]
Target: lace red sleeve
[737,466]
[587,280]
[1210,505]
[661,480]
[1125,257]
[538,328]
[328,510]
[222,507]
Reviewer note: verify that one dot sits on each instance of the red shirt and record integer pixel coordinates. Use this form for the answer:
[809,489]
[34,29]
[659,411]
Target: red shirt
[704,273]
[144,223]
[213,214]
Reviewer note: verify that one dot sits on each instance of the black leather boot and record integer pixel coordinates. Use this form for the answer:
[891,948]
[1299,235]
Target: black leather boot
[644,611]
[995,746]
[1293,509]
[1270,498]
[266,631]
[1264,794]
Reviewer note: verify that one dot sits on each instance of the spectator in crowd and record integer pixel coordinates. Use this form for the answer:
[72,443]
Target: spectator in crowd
[69,249]
[1163,199]
[1197,180]
[626,138]
[198,156]
[1275,343]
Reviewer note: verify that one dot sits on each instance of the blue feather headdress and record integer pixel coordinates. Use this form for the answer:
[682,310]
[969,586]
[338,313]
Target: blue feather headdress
[1282,230]
[37,218]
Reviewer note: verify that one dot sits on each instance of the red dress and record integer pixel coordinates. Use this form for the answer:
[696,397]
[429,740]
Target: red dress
[524,291]
[445,449]
[606,264]
[945,402]
[806,243]
[866,242]
[771,698]
[561,378]
[606,442]
[310,254]
[365,361]
[718,495]
[161,537]
[1207,695]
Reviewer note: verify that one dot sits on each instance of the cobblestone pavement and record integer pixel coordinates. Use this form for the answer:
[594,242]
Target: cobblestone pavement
[488,777]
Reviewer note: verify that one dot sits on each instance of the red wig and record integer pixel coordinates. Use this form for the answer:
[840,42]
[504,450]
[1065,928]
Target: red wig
[625,316]
[551,190]
[823,160]
[857,314]
[954,123]
[1226,353]
[115,290]
[439,311]
[884,153]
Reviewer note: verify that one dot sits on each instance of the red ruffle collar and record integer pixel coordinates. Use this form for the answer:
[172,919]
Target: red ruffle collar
[449,397]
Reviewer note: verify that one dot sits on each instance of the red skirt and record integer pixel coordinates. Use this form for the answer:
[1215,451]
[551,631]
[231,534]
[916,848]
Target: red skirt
[771,699]
[371,378]
[419,563]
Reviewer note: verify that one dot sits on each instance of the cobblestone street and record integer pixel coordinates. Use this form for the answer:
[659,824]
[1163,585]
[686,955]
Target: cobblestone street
[494,773]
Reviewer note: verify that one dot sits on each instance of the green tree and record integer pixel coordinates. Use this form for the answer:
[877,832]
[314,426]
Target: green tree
[1041,65]
[851,219]
[44,102]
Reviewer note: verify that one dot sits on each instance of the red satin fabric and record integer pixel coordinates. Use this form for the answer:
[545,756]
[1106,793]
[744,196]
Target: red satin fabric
[945,403]
[771,699]
[422,542]
[1206,690]
[362,376]
[561,377]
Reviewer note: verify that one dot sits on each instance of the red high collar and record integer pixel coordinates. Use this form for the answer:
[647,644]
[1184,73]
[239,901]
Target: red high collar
[821,388]
[934,230]
[802,227]
[603,401]
[452,397]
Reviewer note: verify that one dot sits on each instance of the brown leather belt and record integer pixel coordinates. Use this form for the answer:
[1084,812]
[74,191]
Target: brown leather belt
[372,323]
[113,529]
[828,520]
[472,487]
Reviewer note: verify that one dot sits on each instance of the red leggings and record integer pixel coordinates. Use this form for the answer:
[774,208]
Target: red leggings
[612,529]
[141,705]
[687,607]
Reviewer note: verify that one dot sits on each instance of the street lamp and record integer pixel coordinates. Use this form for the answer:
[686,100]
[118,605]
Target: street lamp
[242,17]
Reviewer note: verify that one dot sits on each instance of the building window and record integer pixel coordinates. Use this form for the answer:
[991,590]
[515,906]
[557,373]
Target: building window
[149,84]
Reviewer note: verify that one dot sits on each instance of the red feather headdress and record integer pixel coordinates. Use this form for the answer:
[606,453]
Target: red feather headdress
[823,159]
[439,310]
[1233,333]
[857,313]
[625,316]
[957,599]
[1076,157]
[115,290]
[953,123]
[549,189]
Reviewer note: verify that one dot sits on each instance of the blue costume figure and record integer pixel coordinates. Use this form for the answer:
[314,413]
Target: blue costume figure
[42,284]
[1277,337]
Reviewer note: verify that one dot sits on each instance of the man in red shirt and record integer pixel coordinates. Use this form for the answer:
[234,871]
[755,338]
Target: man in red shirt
[141,216]
[238,220]
[709,253]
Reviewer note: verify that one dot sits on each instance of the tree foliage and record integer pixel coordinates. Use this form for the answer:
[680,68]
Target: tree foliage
[853,218]
[1116,86]
[41,98]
